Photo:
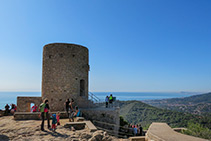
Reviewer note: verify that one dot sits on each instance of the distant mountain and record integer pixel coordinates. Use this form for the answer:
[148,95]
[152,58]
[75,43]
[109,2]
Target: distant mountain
[197,104]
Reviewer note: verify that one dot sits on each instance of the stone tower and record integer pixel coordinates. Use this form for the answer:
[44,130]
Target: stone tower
[64,74]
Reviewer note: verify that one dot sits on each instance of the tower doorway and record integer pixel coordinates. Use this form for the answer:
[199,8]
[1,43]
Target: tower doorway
[82,87]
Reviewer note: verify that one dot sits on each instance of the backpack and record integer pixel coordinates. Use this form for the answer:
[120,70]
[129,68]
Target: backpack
[42,107]
[45,109]
[78,114]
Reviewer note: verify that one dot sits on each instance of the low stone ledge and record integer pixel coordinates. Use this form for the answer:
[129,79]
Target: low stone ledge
[78,119]
[1,113]
[90,126]
[26,116]
[137,138]
[34,115]
[75,125]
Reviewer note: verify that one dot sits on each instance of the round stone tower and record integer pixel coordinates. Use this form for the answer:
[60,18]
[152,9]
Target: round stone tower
[64,74]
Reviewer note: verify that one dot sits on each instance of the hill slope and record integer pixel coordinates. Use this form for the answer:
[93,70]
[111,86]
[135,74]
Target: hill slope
[197,104]
[139,112]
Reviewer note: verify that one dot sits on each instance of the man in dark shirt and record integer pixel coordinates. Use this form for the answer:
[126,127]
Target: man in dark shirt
[67,106]
[7,111]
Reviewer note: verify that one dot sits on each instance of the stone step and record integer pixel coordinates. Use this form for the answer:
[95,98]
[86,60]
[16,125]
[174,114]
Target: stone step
[78,119]
[90,125]
[137,138]
[75,125]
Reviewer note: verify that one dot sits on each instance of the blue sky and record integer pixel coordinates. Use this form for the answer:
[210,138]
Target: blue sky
[134,45]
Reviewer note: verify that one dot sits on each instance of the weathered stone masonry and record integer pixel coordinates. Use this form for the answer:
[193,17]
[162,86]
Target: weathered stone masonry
[65,74]
[24,103]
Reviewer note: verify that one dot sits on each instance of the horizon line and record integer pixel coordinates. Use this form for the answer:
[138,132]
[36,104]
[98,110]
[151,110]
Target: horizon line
[129,91]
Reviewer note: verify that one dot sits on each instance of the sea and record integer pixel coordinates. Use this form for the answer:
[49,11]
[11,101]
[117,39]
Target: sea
[11,97]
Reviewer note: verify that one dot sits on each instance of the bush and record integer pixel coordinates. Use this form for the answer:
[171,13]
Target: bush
[197,130]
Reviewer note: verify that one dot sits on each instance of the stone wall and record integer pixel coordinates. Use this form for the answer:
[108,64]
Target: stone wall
[35,115]
[107,118]
[24,103]
[65,73]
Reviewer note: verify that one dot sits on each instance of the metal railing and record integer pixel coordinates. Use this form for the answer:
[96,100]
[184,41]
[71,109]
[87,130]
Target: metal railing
[93,98]
[122,132]
[100,103]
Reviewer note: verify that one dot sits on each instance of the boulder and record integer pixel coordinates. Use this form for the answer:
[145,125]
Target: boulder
[85,136]
[107,138]
[97,136]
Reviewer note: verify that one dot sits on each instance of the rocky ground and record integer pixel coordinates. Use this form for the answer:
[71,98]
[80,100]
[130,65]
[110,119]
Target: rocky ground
[11,129]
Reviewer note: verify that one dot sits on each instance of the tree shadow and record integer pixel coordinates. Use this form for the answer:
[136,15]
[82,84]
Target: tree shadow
[4,138]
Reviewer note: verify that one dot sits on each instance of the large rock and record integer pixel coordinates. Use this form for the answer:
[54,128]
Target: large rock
[85,136]
[107,138]
[97,136]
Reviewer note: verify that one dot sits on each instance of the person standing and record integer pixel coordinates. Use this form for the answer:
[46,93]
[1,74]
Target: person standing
[44,111]
[141,130]
[107,100]
[72,105]
[110,99]
[7,111]
[57,118]
[54,121]
[67,106]
[135,130]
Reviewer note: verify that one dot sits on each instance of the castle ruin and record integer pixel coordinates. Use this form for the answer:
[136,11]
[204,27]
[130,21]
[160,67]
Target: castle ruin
[64,75]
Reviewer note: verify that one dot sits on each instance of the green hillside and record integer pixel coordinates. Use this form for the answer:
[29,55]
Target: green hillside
[197,104]
[138,112]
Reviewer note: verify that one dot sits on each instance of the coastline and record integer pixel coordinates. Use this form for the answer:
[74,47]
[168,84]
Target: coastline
[11,97]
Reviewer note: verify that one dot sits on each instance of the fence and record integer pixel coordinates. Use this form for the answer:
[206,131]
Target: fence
[101,103]
[123,132]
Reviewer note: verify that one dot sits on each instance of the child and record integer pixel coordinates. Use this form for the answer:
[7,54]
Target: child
[54,121]
[57,118]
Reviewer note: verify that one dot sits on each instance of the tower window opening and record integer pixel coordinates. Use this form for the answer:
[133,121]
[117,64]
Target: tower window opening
[82,87]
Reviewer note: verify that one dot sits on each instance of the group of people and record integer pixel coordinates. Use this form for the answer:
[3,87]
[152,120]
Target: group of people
[44,108]
[109,101]
[71,109]
[9,110]
[45,112]
[135,130]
